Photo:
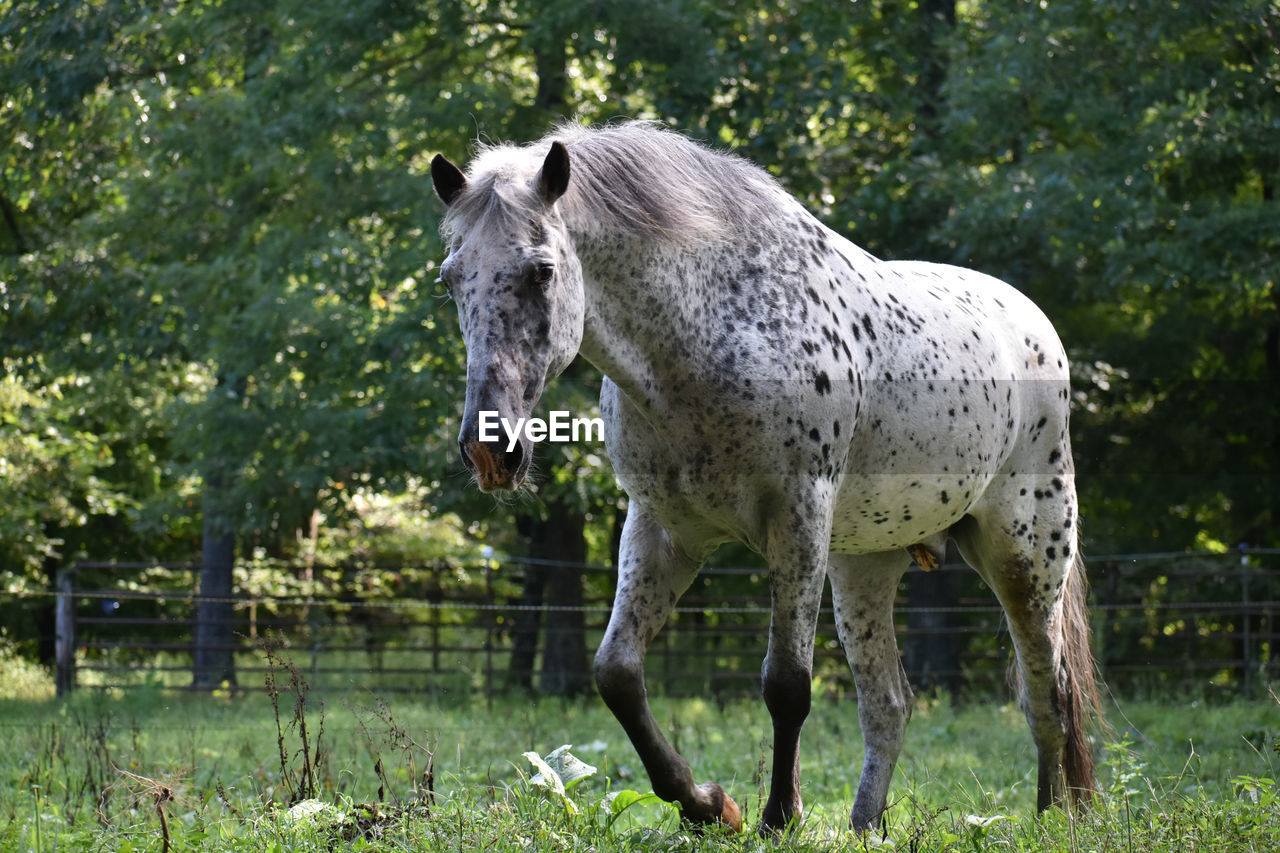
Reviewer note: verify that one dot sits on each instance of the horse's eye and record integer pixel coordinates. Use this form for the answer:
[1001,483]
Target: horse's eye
[542,274]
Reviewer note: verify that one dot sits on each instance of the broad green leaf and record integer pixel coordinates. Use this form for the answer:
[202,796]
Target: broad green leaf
[620,801]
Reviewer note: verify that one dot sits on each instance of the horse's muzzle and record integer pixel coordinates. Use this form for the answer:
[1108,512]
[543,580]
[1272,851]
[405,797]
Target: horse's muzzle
[494,468]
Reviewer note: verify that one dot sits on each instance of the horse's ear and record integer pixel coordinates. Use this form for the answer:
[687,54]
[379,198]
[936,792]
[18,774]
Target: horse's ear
[553,180]
[447,179]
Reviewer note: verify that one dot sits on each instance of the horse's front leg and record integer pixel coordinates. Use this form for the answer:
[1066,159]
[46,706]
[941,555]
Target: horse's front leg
[797,554]
[652,575]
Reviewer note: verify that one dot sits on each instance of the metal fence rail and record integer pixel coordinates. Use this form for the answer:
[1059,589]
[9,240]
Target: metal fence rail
[1204,621]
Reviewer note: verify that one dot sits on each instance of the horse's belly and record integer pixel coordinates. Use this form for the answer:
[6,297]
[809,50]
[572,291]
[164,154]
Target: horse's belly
[918,462]
[893,511]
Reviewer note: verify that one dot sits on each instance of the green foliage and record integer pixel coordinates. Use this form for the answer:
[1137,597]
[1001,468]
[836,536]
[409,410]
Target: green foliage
[218,242]
[282,264]
[23,680]
[1120,165]
[38,440]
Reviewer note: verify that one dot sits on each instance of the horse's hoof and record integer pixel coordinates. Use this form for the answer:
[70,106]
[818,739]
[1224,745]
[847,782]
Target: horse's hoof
[730,814]
[775,822]
[721,808]
[866,825]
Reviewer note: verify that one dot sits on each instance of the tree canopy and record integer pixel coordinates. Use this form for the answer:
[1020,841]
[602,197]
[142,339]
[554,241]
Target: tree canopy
[218,238]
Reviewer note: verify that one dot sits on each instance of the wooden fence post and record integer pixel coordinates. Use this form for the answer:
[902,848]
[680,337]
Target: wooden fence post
[490,622]
[64,648]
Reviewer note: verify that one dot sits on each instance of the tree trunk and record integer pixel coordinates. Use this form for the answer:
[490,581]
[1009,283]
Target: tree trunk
[551,62]
[937,20]
[560,536]
[931,651]
[214,652]
[564,659]
[17,241]
[1271,519]
[528,622]
[213,656]
[553,542]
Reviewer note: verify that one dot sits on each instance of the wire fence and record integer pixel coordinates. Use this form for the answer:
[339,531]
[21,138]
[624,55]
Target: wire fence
[1161,622]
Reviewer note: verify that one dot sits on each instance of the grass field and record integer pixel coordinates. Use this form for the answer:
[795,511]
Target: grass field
[156,771]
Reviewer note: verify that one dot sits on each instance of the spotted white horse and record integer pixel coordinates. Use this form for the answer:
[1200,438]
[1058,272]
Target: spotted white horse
[767,381]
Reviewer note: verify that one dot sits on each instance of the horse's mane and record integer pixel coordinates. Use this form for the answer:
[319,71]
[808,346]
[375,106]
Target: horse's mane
[636,178]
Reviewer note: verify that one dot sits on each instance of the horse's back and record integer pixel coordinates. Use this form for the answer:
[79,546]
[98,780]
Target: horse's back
[999,310]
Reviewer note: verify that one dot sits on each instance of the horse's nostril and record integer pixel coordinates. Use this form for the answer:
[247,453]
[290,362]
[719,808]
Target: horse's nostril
[512,458]
[489,461]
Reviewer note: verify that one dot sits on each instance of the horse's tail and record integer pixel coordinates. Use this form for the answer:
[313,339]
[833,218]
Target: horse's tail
[1081,700]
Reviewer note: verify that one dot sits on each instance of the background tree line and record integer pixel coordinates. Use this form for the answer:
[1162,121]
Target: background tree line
[222,339]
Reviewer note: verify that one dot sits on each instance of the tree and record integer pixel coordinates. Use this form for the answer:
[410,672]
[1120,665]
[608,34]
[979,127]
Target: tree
[279,271]
[89,376]
[1120,164]
[217,241]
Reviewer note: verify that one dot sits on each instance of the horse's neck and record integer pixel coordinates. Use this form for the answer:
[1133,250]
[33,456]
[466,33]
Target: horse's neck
[658,316]
[639,314]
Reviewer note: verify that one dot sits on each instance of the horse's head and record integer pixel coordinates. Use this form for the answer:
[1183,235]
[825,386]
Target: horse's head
[518,285]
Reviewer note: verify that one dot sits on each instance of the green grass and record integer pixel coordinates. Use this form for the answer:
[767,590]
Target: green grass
[101,771]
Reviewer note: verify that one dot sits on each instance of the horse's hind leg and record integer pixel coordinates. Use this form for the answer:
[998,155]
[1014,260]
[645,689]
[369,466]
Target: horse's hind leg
[652,574]
[1024,549]
[863,589]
